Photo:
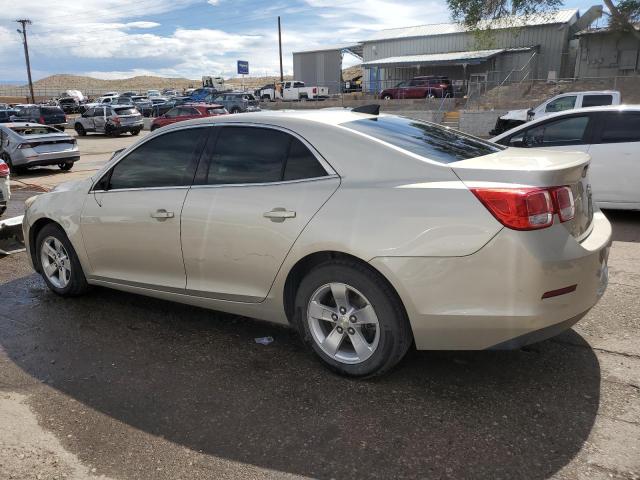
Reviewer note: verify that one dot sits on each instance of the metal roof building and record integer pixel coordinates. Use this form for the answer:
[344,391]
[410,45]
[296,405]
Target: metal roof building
[535,46]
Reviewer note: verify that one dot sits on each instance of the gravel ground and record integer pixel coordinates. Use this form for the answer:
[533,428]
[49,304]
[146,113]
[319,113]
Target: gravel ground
[114,385]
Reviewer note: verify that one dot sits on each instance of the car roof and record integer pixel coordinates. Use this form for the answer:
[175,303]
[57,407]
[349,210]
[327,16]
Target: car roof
[573,111]
[588,92]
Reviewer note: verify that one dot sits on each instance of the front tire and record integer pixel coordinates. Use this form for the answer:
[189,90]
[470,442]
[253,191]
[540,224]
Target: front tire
[80,130]
[352,319]
[58,262]
[387,97]
[65,166]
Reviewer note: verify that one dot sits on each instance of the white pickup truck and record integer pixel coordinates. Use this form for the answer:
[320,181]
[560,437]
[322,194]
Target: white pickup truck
[293,90]
[559,103]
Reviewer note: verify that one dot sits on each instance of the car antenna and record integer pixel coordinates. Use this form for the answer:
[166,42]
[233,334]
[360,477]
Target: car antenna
[372,109]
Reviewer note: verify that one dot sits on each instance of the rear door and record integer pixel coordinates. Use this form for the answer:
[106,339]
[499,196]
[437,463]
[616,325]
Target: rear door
[99,118]
[131,223]
[615,158]
[256,189]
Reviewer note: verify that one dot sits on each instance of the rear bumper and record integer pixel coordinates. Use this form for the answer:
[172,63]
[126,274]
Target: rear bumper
[493,298]
[42,159]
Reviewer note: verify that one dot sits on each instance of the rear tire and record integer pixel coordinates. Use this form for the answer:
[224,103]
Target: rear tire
[234,110]
[65,166]
[387,97]
[135,132]
[58,256]
[372,315]
[80,130]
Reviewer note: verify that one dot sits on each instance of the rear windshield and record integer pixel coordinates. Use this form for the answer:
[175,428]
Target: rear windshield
[425,139]
[34,130]
[125,111]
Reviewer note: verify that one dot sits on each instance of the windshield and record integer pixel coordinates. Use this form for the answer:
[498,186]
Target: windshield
[425,139]
[48,110]
[34,130]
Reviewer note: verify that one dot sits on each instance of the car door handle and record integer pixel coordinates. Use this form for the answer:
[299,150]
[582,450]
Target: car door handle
[279,214]
[161,214]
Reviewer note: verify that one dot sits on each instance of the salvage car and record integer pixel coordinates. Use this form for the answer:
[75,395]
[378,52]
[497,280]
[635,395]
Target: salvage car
[25,145]
[43,115]
[559,103]
[110,120]
[187,112]
[611,137]
[367,233]
[5,189]
[236,102]
[7,114]
[162,108]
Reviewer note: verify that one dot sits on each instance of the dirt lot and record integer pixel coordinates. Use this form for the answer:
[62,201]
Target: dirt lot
[113,385]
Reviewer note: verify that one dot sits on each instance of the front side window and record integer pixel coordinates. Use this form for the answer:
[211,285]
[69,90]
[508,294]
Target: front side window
[164,161]
[174,112]
[561,104]
[596,100]
[260,155]
[567,131]
[621,127]
[425,139]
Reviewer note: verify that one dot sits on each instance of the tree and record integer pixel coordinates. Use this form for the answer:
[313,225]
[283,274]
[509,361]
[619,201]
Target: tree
[623,14]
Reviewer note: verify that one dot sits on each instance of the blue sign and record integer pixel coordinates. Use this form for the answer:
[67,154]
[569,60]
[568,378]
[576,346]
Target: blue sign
[243,67]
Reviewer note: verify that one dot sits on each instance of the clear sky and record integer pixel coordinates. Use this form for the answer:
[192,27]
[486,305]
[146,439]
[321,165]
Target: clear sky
[191,38]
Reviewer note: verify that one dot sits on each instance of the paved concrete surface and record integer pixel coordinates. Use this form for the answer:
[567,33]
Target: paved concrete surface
[113,385]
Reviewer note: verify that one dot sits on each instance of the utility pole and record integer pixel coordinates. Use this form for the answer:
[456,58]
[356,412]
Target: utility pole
[24,23]
[280,48]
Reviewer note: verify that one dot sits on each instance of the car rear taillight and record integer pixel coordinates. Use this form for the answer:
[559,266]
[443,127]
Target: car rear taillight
[518,208]
[565,204]
[315,90]
[41,119]
[116,119]
[4,170]
[528,208]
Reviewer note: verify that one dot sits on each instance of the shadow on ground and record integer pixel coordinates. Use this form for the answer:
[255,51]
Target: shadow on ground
[197,378]
[625,225]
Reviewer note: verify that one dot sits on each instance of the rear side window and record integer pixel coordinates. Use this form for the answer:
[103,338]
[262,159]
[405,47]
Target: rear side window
[425,139]
[260,155]
[596,100]
[165,161]
[621,127]
[51,110]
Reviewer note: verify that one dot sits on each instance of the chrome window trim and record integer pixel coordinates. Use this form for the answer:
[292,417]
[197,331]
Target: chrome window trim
[265,184]
[178,187]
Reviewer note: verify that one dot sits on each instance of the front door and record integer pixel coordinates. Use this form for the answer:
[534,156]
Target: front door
[131,223]
[259,187]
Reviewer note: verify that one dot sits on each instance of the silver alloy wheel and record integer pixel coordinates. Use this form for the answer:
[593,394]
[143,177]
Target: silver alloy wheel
[343,323]
[55,262]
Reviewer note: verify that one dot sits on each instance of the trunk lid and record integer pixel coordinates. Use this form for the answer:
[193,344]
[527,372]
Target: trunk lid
[536,167]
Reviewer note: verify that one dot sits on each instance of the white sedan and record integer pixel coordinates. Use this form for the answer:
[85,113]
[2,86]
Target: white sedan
[610,135]
[366,233]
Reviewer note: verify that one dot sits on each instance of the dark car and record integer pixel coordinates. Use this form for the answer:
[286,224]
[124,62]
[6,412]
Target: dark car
[69,104]
[420,87]
[161,109]
[44,115]
[5,115]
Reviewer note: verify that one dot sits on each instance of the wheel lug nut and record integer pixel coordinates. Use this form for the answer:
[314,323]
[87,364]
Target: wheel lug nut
[340,330]
[351,331]
[343,310]
[334,317]
[353,319]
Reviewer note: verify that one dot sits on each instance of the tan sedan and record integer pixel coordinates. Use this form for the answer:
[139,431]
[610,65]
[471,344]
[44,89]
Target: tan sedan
[366,233]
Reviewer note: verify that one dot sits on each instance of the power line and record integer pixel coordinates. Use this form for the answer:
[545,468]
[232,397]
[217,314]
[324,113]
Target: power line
[24,23]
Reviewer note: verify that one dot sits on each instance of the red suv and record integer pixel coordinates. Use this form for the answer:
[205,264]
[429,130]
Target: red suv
[187,112]
[420,87]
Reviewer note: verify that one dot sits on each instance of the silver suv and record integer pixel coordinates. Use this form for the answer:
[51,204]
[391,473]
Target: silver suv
[235,102]
[110,120]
